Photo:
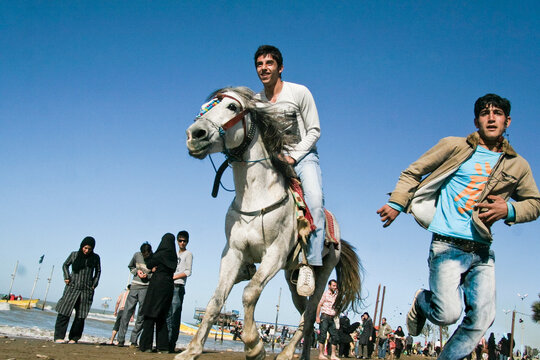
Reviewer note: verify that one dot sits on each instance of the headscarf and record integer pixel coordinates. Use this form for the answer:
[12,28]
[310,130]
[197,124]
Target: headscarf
[85,260]
[166,252]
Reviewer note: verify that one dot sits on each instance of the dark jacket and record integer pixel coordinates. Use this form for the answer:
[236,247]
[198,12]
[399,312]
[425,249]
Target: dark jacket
[363,338]
[160,290]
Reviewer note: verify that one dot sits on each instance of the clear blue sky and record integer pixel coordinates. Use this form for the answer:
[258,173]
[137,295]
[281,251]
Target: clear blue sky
[95,97]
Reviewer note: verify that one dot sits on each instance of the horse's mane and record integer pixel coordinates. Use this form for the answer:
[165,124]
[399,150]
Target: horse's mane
[271,123]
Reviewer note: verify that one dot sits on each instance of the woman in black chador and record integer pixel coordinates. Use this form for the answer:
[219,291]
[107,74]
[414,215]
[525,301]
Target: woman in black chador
[79,290]
[159,295]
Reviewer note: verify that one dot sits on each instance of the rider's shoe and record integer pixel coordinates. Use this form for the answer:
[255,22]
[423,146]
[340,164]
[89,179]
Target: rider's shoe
[306,281]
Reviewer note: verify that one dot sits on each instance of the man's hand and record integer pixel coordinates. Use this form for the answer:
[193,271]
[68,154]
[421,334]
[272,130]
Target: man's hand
[318,319]
[66,281]
[141,274]
[286,158]
[387,214]
[496,210]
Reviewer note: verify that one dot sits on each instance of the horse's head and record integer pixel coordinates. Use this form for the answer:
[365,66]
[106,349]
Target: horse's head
[222,125]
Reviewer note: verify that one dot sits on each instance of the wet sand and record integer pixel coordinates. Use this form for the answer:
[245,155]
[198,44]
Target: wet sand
[22,348]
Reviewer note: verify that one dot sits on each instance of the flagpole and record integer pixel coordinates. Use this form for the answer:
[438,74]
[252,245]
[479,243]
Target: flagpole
[35,282]
[13,277]
[47,291]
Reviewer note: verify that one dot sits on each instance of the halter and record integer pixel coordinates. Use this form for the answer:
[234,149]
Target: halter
[236,153]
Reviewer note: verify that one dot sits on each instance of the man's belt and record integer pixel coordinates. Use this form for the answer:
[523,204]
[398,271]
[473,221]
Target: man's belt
[178,285]
[463,244]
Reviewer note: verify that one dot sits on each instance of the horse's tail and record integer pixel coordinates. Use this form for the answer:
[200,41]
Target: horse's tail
[349,273]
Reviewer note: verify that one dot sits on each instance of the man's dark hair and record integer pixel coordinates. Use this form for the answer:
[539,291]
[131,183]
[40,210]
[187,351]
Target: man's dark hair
[332,281]
[273,51]
[491,99]
[146,248]
[365,314]
[182,234]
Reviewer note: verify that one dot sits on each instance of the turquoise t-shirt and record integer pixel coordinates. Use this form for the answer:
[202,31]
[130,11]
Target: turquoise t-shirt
[459,194]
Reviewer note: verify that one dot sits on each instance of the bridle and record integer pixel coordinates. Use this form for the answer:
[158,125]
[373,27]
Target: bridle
[234,154]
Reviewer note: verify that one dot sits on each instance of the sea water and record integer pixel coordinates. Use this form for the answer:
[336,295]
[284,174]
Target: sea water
[39,324]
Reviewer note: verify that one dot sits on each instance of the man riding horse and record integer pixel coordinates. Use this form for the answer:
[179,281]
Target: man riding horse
[299,109]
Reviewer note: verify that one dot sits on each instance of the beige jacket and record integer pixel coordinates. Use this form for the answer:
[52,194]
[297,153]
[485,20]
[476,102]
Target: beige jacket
[510,178]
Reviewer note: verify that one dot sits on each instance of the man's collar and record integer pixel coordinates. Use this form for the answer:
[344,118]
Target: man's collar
[474,139]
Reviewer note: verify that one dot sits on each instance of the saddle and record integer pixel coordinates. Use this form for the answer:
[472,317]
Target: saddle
[305,221]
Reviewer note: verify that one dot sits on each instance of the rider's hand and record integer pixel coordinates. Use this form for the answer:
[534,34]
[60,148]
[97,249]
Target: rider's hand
[286,158]
[387,214]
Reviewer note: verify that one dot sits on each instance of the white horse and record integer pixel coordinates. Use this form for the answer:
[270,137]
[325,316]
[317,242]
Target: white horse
[261,225]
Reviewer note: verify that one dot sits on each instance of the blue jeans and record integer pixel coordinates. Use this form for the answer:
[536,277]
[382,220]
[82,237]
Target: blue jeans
[309,172]
[451,271]
[135,296]
[382,348]
[175,314]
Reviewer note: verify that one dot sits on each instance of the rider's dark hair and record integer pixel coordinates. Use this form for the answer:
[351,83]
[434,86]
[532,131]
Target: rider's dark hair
[273,51]
[491,99]
[332,281]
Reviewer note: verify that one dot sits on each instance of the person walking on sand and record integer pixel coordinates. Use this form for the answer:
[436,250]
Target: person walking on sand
[457,190]
[118,312]
[79,290]
[325,318]
[159,296]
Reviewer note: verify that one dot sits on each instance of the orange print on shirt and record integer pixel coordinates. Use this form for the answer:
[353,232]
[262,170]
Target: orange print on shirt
[474,188]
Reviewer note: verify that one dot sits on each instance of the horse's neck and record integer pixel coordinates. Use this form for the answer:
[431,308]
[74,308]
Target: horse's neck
[258,184]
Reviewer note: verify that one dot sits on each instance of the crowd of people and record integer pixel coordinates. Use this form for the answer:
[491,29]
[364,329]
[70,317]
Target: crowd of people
[157,288]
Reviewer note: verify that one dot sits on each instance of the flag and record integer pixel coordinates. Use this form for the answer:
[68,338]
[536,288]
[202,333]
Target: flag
[41,259]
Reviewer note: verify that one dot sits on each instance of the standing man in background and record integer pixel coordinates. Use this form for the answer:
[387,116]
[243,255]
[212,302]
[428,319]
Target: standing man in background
[183,271]
[326,313]
[137,294]
[299,109]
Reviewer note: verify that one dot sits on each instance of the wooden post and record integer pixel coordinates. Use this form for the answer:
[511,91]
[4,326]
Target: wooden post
[380,319]
[376,305]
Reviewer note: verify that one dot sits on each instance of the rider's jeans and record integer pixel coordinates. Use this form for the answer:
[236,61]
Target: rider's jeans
[309,172]
[451,271]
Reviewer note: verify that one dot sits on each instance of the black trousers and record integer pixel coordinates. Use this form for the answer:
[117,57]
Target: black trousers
[162,333]
[62,322]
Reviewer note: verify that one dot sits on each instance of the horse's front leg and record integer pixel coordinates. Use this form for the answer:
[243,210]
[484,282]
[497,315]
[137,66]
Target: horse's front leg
[273,261]
[230,265]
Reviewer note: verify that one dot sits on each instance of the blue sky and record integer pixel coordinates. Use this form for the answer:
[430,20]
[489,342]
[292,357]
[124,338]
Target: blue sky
[95,98]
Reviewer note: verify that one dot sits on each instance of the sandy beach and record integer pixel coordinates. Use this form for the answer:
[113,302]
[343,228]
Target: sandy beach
[24,348]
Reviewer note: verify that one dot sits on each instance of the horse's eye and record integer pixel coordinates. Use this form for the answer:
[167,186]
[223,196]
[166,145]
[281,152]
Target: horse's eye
[232,107]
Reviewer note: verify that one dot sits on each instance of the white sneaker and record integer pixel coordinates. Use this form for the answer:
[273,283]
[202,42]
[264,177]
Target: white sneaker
[305,285]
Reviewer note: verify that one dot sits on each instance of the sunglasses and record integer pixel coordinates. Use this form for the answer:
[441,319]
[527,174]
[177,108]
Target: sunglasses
[182,240]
